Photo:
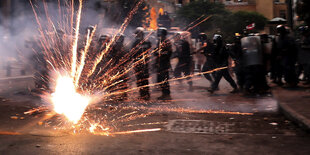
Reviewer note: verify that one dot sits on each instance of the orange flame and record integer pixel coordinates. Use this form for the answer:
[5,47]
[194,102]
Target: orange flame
[161,11]
[153,20]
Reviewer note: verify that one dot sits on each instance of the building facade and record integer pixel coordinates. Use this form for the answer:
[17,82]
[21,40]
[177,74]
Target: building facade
[269,8]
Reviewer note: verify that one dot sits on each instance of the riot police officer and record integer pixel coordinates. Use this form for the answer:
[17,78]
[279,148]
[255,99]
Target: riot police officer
[209,51]
[116,78]
[141,58]
[162,61]
[236,54]
[304,53]
[286,55]
[252,61]
[222,56]
[185,59]
[199,58]
[102,67]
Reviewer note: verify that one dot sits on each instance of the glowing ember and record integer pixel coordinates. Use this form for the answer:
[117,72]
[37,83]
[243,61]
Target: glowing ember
[85,65]
[137,131]
[67,101]
[153,19]
[161,11]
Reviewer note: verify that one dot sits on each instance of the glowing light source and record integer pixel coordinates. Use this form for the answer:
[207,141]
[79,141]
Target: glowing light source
[153,22]
[161,11]
[67,101]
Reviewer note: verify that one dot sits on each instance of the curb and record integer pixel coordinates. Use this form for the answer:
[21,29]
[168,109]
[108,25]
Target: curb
[16,78]
[10,84]
[294,116]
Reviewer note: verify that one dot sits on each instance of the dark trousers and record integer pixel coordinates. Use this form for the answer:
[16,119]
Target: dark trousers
[307,71]
[289,72]
[209,65]
[118,86]
[240,76]
[255,78]
[142,76]
[185,68]
[163,76]
[218,76]
[277,72]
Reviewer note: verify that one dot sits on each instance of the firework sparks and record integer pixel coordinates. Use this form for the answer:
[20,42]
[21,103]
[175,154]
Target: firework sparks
[67,101]
[69,97]
[137,131]
[76,38]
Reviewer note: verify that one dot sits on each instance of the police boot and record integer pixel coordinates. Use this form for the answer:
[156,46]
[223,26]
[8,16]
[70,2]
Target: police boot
[234,91]
[165,97]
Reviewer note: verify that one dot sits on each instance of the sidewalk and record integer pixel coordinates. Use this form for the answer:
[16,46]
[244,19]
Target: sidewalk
[295,104]
[15,83]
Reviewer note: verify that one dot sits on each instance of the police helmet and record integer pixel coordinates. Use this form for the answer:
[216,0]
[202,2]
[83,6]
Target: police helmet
[120,38]
[162,32]
[217,37]
[203,36]
[90,29]
[303,29]
[237,36]
[104,38]
[281,29]
[139,30]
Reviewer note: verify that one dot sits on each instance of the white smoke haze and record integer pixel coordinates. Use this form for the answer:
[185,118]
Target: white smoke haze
[19,29]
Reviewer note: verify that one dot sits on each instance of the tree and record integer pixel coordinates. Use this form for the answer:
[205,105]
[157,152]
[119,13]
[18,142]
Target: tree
[222,20]
[303,11]
[240,19]
[196,9]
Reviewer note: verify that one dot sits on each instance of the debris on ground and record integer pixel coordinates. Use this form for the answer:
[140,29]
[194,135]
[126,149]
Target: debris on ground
[14,117]
[273,123]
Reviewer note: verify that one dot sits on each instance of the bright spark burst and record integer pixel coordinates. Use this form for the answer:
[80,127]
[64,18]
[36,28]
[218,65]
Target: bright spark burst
[74,90]
[67,101]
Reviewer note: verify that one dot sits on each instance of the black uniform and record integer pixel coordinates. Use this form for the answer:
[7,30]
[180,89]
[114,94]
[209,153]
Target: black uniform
[210,64]
[185,60]
[304,57]
[286,54]
[253,66]
[236,54]
[163,65]
[115,77]
[141,68]
[222,61]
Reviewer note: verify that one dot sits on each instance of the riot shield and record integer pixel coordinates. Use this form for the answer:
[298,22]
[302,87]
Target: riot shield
[252,51]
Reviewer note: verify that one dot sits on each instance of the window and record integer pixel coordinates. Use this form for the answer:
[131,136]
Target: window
[282,14]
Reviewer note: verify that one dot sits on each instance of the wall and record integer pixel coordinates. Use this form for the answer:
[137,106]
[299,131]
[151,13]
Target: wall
[235,8]
[278,8]
[265,7]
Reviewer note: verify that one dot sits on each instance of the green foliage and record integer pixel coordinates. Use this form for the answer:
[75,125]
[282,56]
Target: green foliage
[303,10]
[241,19]
[196,9]
[222,20]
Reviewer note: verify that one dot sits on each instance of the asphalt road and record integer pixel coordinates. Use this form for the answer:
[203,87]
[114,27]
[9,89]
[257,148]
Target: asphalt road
[192,123]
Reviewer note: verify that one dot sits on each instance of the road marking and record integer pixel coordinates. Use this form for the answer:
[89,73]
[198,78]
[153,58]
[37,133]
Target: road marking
[199,126]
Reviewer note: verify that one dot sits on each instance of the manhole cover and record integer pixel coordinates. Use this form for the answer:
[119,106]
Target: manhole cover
[199,126]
